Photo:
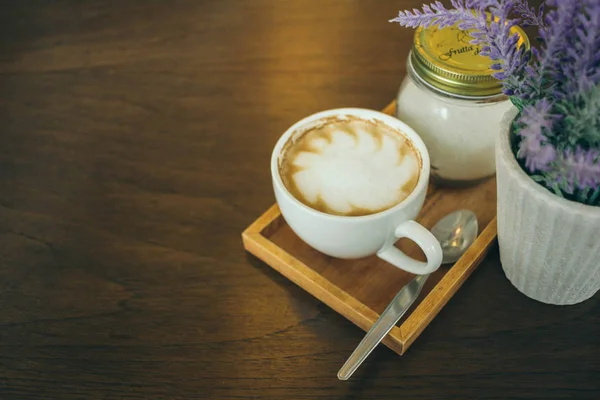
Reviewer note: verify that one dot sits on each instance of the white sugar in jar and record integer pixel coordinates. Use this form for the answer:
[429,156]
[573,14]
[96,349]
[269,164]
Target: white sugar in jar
[451,100]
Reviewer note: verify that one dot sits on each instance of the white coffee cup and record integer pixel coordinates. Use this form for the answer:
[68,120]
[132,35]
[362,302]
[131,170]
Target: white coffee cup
[352,237]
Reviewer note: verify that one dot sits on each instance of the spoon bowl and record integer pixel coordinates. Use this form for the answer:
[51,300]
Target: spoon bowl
[456,232]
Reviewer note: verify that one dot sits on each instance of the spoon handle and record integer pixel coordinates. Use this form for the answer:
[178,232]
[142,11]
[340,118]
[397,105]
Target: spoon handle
[384,324]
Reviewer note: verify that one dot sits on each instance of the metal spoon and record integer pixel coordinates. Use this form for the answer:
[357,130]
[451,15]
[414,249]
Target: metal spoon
[455,232]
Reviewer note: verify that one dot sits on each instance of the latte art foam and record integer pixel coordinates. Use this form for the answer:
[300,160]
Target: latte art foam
[350,167]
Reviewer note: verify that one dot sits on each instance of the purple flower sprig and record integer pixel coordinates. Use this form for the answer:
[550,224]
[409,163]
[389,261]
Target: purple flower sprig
[534,124]
[580,70]
[437,14]
[567,64]
[493,33]
[530,17]
[578,169]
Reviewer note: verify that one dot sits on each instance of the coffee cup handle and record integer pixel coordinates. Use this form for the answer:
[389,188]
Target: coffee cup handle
[424,239]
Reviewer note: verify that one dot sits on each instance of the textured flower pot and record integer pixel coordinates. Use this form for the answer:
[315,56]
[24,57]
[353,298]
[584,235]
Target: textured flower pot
[549,246]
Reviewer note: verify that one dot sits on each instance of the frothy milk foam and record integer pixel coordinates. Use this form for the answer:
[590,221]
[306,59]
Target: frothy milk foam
[350,166]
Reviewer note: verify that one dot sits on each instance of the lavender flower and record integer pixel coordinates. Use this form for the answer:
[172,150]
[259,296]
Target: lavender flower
[534,146]
[582,71]
[556,88]
[494,34]
[544,76]
[529,14]
[561,40]
[437,14]
[579,168]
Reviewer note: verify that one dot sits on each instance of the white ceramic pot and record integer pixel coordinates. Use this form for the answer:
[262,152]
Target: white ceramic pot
[549,246]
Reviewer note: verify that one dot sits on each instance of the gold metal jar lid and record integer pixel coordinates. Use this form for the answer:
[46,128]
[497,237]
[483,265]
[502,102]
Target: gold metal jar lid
[445,59]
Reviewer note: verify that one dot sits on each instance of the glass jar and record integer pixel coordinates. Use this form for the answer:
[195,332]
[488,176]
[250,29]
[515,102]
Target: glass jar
[451,100]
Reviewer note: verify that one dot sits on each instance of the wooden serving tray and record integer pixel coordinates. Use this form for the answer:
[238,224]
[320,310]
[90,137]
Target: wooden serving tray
[361,289]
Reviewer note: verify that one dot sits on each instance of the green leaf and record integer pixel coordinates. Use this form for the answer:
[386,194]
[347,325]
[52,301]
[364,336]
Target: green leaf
[538,178]
[556,188]
[582,195]
[517,102]
[595,197]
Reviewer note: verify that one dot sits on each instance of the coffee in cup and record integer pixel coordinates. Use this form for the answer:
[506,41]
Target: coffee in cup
[349,166]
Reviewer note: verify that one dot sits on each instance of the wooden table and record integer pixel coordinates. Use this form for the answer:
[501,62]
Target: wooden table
[133,152]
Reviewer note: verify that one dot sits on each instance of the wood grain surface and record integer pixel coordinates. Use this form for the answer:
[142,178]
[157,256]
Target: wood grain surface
[134,151]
